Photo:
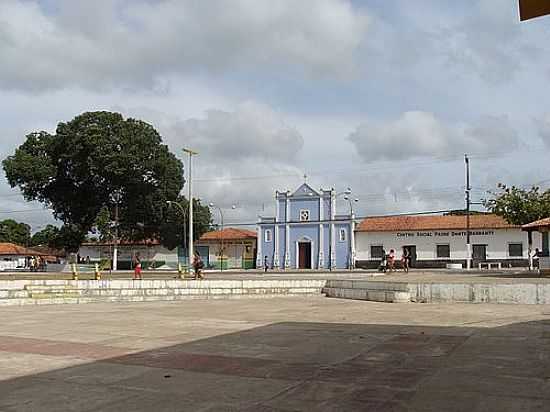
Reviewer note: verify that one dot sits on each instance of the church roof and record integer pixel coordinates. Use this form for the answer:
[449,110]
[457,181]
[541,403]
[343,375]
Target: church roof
[305,190]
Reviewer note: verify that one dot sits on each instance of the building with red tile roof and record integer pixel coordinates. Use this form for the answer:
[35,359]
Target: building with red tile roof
[230,248]
[439,240]
[431,222]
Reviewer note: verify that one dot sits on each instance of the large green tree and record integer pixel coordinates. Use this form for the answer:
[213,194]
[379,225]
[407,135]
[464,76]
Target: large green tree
[519,206]
[15,232]
[99,161]
[49,236]
[175,232]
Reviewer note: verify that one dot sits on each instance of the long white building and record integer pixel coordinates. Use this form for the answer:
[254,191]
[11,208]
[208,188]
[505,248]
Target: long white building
[436,240]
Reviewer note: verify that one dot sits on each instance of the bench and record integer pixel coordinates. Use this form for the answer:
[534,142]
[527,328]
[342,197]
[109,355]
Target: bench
[490,265]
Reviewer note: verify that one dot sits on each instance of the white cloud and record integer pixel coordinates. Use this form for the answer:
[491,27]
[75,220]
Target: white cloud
[134,43]
[252,131]
[422,134]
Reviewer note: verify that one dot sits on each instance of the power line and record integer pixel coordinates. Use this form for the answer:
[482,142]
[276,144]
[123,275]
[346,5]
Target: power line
[383,167]
[431,212]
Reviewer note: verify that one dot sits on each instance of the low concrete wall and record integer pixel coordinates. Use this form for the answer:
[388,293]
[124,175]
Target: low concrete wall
[22,292]
[391,292]
[518,293]
[533,293]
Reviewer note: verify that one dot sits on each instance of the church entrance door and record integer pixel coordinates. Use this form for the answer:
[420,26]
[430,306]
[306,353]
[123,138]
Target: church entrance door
[304,255]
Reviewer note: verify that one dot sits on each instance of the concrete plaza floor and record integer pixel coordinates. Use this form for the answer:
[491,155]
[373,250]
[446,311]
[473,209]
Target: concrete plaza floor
[279,354]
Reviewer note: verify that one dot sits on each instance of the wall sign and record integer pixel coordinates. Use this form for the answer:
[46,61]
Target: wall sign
[446,234]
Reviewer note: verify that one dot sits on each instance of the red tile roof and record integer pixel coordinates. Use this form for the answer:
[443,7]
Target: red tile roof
[542,223]
[11,249]
[431,222]
[229,234]
[124,243]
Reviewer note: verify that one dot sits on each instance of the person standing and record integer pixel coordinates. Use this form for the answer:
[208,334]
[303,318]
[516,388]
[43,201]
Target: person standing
[536,258]
[266,263]
[198,265]
[406,258]
[384,262]
[391,260]
[136,261]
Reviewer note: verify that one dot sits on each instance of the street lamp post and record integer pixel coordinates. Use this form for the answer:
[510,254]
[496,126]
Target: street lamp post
[352,232]
[347,192]
[212,205]
[191,153]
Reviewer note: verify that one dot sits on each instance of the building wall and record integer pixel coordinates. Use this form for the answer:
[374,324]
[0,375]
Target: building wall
[282,210]
[299,232]
[310,204]
[268,248]
[497,241]
[235,254]
[125,253]
[342,248]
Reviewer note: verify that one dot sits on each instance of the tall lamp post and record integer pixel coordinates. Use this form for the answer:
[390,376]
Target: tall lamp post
[191,153]
[347,192]
[213,206]
[352,231]
[171,203]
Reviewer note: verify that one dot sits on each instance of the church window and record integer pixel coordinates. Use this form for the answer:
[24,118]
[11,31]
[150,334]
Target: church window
[268,235]
[304,215]
[343,235]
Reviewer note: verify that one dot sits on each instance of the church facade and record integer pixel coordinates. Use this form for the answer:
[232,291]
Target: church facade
[306,232]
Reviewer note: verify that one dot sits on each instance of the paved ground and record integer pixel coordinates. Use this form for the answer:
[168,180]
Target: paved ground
[281,354]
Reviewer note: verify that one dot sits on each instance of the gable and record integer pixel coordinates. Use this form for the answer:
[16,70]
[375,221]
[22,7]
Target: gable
[305,190]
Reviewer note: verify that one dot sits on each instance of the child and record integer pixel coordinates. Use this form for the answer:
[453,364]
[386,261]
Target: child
[391,260]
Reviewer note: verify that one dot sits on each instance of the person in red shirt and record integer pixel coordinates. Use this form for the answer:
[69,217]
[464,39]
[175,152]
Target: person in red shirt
[137,266]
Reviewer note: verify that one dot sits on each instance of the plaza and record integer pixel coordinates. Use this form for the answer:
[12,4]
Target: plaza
[278,354]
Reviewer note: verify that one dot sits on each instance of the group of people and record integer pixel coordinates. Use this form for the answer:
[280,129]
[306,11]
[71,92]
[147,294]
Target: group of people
[388,260]
[197,263]
[37,263]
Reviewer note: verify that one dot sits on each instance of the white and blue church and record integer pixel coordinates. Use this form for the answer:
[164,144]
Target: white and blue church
[306,232]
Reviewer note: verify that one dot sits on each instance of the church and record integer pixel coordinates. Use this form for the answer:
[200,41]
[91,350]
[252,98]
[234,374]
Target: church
[306,232]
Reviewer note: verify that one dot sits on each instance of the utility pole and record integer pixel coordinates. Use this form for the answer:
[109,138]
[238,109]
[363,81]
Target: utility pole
[117,197]
[115,247]
[191,153]
[468,202]
[212,205]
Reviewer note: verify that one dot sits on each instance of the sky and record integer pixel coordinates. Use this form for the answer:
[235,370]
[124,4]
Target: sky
[384,97]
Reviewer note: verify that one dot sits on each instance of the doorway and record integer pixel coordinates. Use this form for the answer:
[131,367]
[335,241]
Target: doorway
[412,254]
[304,255]
[479,253]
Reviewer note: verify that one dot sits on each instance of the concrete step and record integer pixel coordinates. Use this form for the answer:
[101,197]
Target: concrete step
[390,292]
[53,295]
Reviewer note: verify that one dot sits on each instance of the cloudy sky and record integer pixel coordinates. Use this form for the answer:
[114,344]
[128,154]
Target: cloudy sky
[382,96]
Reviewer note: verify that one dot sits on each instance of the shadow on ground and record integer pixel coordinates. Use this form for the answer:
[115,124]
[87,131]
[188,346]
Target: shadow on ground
[310,367]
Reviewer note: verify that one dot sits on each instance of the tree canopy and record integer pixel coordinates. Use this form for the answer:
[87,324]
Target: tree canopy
[173,231]
[15,232]
[49,236]
[99,162]
[519,206]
